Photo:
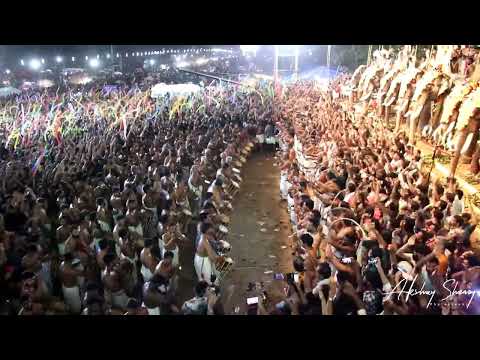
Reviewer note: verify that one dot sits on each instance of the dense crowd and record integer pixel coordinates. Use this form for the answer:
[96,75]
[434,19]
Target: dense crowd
[375,234]
[104,191]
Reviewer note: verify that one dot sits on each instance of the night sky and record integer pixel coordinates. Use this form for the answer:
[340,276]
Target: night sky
[11,54]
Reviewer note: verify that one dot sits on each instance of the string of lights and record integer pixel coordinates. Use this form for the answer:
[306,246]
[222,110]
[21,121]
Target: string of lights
[36,64]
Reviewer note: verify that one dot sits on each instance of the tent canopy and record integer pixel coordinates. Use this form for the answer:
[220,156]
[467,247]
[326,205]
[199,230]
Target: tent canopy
[162,89]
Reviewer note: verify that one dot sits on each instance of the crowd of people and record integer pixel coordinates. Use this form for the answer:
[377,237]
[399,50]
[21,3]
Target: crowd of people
[374,233]
[105,192]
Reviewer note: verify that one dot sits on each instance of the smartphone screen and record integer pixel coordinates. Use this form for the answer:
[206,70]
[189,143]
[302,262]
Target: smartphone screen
[252,300]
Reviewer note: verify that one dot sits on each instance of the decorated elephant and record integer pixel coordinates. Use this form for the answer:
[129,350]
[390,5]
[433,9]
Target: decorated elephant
[405,93]
[468,124]
[427,101]
[354,82]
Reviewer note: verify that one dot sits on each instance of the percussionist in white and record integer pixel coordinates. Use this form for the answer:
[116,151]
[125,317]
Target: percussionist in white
[205,256]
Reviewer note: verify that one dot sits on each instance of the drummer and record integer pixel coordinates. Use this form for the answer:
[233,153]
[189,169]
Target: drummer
[171,238]
[231,186]
[205,256]
[195,188]
[218,197]
[182,204]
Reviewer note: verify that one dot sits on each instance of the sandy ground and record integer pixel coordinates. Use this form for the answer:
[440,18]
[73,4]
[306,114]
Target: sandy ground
[258,233]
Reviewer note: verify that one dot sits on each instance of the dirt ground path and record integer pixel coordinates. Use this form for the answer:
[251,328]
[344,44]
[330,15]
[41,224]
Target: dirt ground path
[259,233]
[259,236]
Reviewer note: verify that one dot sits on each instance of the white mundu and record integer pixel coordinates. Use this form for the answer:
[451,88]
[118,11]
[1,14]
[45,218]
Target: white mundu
[204,267]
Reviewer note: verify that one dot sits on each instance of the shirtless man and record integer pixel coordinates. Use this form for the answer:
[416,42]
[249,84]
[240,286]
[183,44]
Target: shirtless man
[69,276]
[155,294]
[158,292]
[217,193]
[112,281]
[31,261]
[205,256]
[171,239]
[150,256]
[63,232]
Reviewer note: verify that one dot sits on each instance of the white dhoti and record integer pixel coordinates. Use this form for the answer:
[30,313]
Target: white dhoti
[204,269]
[119,299]
[153,311]
[161,245]
[291,207]
[283,186]
[146,273]
[61,249]
[175,261]
[270,140]
[71,295]
[260,139]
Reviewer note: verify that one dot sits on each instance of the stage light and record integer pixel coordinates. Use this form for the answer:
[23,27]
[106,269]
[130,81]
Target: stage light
[7,71]
[35,64]
[247,49]
[86,58]
[73,58]
[118,55]
[126,54]
[108,56]
[201,61]
[43,61]
[152,61]
[21,62]
[58,59]
[98,56]
[94,63]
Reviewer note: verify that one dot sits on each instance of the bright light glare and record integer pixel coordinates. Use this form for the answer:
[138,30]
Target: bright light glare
[7,71]
[73,58]
[108,56]
[85,80]
[35,64]
[249,48]
[94,63]
[152,61]
[22,62]
[58,59]
[288,50]
[201,61]
[183,64]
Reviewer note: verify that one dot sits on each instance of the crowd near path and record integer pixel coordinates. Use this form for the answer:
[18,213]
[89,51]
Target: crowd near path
[259,234]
